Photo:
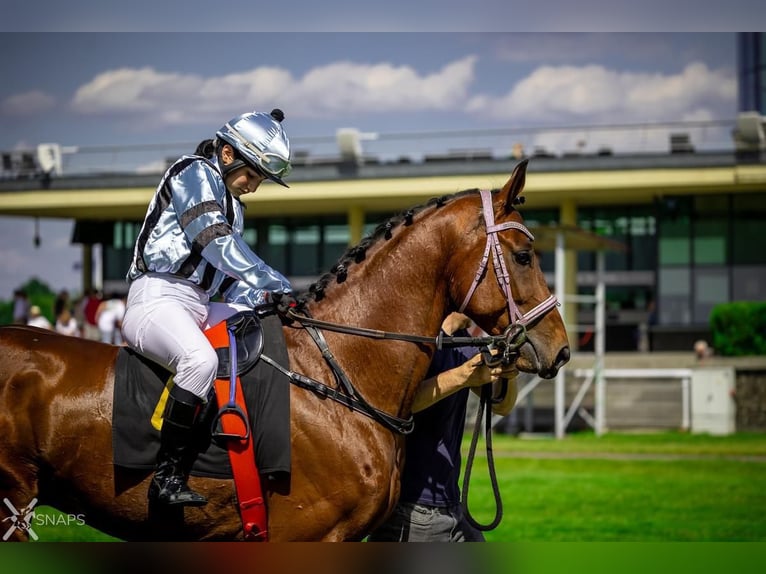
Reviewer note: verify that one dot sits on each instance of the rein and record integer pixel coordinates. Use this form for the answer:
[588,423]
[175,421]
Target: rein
[441,341]
[486,391]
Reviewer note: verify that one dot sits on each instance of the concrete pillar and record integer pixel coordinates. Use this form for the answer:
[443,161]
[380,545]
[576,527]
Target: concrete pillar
[355,224]
[568,216]
[87,267]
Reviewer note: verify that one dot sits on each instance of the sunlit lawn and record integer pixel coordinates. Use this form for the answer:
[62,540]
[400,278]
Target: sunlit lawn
[704,495]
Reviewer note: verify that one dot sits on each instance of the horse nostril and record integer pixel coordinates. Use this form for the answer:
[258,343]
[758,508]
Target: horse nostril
[563,357]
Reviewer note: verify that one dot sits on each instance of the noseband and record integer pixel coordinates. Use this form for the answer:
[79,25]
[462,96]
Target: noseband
[515,333]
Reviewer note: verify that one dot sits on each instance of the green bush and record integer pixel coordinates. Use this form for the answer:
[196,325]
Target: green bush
[38,293]
[739,328]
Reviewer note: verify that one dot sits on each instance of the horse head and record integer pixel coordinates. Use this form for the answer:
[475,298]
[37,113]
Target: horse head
[496,280]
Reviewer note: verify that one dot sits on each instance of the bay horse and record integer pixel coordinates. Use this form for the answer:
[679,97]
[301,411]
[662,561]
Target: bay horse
[467,251]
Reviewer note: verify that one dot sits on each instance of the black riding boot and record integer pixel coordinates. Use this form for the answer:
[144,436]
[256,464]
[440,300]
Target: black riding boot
[168,486]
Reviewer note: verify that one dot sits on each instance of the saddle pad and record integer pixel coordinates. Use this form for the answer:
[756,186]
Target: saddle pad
[139,382]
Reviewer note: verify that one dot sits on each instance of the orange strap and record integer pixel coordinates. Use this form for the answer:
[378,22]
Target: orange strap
[247,480]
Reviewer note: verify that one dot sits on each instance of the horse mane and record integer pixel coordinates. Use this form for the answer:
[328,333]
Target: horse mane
[358,253]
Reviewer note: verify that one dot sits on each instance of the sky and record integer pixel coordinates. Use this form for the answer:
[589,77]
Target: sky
[81,74]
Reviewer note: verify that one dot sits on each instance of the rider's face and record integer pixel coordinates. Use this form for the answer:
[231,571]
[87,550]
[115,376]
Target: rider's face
[243,180]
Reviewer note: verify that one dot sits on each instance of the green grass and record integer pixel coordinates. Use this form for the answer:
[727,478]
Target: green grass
[706,494]
[669,443]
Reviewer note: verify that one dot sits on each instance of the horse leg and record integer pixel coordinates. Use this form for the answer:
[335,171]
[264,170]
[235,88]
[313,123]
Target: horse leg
[18,492]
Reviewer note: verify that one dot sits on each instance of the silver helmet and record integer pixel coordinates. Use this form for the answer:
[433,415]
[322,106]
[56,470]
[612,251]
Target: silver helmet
[260,141]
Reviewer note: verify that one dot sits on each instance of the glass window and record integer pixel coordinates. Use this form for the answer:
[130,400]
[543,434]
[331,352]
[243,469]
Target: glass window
[117,235]
[674,244]
[674,286]
[274,252]
[542,218]
[250,235]
[749,211]
[304,250]
[748,283]
[710,241]
[711,286]
[336,241]
[710,229]
[115,263]
[642,247]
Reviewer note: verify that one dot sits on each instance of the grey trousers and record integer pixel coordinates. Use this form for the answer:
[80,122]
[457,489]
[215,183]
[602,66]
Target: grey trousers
[419,523]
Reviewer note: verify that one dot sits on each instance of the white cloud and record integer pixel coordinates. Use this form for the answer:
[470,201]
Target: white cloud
[341,87]
[549,94]
[380,88]
[27,103]
[593,93]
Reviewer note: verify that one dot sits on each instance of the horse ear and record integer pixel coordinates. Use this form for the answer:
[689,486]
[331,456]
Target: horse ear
[515,185]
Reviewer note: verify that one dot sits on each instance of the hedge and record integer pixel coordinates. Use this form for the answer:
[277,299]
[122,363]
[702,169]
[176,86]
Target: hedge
[739,328]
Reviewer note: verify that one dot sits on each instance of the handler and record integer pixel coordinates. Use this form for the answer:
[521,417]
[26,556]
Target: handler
[429,508]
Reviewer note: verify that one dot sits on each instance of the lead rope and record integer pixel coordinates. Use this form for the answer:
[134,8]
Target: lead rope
[486,391]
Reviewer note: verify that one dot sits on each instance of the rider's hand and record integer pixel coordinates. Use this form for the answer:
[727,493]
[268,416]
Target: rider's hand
[283,301]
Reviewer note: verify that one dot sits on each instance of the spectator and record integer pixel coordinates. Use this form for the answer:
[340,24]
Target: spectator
[20,307]
[36,318]
[109,317]
[61,303]
[66,324]
[90,304]
[702,350]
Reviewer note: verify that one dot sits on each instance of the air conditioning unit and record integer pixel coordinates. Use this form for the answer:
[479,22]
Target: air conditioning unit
[49,158]
[349,145]
[749,133]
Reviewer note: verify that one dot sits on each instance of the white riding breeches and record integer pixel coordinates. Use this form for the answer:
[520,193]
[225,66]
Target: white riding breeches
[164,321]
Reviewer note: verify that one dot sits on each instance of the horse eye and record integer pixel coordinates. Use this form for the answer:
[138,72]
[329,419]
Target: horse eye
[523,258]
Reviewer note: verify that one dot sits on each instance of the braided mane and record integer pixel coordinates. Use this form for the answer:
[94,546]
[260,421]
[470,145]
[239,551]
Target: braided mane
[358,253]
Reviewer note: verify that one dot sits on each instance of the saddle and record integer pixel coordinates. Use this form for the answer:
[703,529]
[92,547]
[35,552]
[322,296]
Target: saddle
[140,383]
[248,334]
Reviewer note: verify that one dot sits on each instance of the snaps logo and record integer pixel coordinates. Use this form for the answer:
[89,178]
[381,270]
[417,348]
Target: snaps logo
[23,520]
[20,520]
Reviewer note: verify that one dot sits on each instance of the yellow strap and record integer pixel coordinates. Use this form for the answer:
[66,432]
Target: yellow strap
[159,410]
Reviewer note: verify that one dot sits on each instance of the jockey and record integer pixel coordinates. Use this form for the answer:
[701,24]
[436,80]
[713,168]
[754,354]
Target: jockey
[190,248]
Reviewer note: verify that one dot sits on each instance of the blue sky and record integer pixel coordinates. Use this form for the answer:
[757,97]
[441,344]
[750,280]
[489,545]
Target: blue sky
[134,88]
[68,77]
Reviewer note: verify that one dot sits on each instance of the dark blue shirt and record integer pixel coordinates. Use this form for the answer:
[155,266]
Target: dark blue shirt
[432,456]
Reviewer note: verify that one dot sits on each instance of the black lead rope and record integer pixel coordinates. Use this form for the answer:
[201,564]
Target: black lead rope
[484,402]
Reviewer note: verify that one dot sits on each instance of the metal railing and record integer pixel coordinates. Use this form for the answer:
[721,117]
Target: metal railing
[414,147]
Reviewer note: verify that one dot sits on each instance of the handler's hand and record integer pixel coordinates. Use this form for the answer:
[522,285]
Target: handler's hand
[477,373]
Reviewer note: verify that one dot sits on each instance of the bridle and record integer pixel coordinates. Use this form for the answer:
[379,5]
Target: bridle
[508,344]
[515,333]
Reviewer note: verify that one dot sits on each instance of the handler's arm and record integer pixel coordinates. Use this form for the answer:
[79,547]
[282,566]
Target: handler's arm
[472,373]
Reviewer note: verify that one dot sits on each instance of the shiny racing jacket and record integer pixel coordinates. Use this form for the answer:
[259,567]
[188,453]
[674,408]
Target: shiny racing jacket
[193,230]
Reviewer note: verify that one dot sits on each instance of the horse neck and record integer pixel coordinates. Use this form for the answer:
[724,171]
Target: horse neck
[399,287]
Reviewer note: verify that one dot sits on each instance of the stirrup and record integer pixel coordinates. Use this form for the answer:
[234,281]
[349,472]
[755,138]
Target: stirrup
[173,491]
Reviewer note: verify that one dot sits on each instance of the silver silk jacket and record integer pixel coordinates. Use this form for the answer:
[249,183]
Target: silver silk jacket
[193,230]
